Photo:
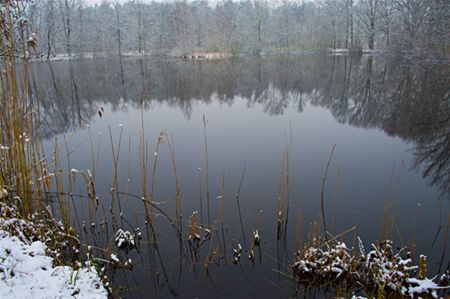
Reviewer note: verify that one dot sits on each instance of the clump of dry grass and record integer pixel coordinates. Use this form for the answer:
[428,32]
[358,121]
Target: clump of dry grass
[317,266]
[197,236]
[380,272]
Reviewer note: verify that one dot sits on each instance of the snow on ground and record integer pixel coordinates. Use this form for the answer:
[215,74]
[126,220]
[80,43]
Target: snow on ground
[86,55]
[26,272]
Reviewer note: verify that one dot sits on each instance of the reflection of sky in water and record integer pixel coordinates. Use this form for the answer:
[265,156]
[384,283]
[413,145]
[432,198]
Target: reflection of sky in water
[245,133]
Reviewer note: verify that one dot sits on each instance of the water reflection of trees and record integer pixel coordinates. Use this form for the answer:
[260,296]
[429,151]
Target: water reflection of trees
[403,98]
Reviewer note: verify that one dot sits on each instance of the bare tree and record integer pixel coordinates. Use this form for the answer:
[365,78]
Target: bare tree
[50,20]
[119,40]
[65,8]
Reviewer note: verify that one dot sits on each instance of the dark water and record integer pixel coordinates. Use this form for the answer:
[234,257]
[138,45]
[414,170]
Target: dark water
[389,119]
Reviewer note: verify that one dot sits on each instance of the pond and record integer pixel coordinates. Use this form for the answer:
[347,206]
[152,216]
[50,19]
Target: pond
[388,176]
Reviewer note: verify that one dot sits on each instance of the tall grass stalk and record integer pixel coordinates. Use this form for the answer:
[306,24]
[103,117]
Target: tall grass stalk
[60,194]
[143,154]
[206,171]
[444,250]
[178,206]
[324,180]
[210,255]
[115,185]
[127,185]
[280,201]
[298,232]
[161,139]
[221,216]
[238,193]
[335,192]
[386,223]
[16,121]
[287,185]
[259,228]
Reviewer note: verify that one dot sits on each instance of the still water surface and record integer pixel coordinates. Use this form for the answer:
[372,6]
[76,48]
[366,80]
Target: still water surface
[389,119]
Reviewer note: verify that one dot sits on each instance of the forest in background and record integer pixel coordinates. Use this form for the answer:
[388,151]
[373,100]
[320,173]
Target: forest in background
[420,27]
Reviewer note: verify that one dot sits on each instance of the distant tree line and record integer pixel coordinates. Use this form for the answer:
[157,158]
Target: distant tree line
[249,27]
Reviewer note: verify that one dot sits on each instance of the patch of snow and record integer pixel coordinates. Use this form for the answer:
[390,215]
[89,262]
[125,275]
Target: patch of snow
[422,286]
[256,237]
[114,258]
[32,37]
[362,251]
[237,254]
[26,272]
[124,239]
[368,51]
[338,51]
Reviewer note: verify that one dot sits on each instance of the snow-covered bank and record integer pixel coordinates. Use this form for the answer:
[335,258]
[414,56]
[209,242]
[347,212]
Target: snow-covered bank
[345,51]
[26,272]
[90,55]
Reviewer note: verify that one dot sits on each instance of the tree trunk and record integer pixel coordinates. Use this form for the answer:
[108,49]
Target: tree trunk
[119,41]
[351,24]
[372,15]
[49,44]
[140,28]
[67,17]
